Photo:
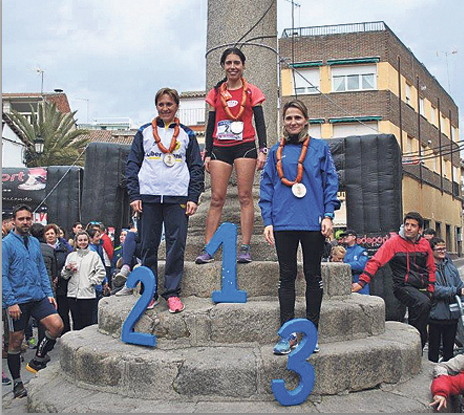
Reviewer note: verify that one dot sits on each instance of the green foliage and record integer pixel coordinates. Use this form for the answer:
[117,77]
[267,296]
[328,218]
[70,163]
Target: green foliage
[63,142]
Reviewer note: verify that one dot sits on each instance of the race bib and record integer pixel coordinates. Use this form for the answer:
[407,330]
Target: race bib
[226,132]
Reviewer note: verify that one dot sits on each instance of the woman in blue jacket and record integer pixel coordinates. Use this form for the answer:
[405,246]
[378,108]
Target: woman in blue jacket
[443,322]
[298,197]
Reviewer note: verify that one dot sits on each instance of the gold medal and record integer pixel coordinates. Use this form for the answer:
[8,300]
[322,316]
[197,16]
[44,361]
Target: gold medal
[299,190]
[169,159]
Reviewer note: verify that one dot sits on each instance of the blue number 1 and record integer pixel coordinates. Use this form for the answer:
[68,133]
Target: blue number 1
[226,236]
[297,362]
[146,277]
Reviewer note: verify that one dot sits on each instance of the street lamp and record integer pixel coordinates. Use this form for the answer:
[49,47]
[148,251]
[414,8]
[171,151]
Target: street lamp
[39,144]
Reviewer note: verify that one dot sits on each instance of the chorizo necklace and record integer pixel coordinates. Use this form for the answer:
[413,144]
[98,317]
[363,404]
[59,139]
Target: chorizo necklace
[169,158]
[298,188]
[236,126]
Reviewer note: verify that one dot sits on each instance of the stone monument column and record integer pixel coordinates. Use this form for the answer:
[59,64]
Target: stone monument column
[228,21]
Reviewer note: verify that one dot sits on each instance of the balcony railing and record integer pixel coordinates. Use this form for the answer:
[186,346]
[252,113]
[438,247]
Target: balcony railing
[335,29]
[191,116]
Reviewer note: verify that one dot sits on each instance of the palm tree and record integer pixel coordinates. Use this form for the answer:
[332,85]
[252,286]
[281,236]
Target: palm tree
[63,143]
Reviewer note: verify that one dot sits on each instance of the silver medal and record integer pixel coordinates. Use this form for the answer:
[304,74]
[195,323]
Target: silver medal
[299,190]
[236,127]
[169,159]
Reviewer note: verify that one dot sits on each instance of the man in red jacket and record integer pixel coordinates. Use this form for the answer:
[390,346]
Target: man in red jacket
[448,380]
[413,271]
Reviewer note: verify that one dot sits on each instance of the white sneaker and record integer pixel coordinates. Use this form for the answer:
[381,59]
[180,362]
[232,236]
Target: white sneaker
[316,349]
[121,277]
[33,183]
[124,292]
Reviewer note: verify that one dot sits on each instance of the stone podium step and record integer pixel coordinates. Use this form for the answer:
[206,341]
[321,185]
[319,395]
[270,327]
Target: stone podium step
[204,323]
[53,392]
[176,371]
[258,279]
[230,212]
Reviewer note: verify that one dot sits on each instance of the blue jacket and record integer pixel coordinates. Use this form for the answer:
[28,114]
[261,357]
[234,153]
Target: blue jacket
[150,180]
[283,210]
[447,284]
[356,257]
[24,275]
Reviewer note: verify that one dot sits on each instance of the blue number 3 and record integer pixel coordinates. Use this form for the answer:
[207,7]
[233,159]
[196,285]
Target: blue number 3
[297,363]
[146,277]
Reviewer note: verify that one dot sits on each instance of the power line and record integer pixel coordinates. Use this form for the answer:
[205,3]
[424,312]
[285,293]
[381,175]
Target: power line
[257,23]
[431,149]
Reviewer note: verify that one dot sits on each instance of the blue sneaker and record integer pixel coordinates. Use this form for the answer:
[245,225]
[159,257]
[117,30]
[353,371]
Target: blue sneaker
[204,258]
[286,345]
[244,256]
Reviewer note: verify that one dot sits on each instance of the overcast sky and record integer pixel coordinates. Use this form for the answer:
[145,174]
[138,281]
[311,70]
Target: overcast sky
[111,56]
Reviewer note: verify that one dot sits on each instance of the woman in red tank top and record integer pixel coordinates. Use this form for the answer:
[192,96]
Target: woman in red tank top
[230,142]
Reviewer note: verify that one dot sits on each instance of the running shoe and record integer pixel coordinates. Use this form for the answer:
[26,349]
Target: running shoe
[175,305]
[34,366]
[316,349]
[245,254]
[19,391]
[204,258]
[286,345]
[5,379]
[153,303]
[120,278]
[31,343]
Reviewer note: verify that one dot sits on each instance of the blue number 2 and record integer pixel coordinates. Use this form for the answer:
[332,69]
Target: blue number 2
[297,363]
[146,277]
[226,236]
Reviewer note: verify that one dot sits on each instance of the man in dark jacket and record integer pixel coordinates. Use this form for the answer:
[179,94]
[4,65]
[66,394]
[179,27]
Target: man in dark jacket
[26,291]
[413,271]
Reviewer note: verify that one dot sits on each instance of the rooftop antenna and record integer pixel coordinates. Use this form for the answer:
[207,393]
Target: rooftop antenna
[41,72]
[446,53]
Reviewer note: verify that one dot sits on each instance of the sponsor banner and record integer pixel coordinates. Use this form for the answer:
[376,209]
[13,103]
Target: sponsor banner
[23,185]
[373,241]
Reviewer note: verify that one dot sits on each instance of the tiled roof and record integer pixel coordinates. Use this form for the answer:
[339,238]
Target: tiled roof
[61,101]
[59,98]
[111,136]
[193,94]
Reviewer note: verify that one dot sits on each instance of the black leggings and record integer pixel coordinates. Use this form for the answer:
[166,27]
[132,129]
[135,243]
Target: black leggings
[439,331]
[82,312]
[312,243]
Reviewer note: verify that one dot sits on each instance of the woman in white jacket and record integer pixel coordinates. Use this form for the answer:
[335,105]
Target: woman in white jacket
[84,269]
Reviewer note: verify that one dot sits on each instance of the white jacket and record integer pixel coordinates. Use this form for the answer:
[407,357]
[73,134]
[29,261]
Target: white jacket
[90,272]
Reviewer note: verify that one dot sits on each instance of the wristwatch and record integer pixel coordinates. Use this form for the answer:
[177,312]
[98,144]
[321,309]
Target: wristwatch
[264,150]
[329,215]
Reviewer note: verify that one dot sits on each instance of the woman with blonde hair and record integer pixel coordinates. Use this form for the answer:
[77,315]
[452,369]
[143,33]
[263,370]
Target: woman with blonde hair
[298,198]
